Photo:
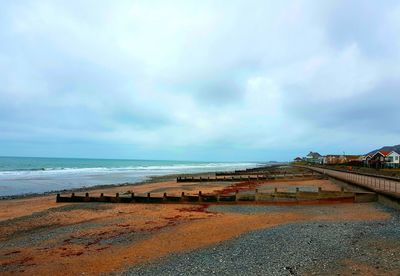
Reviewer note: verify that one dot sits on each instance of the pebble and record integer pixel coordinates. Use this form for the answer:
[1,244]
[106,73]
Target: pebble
[294,249]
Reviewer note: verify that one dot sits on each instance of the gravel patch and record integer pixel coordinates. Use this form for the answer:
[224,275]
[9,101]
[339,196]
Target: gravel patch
[294,249]
[249,209]
[255,209]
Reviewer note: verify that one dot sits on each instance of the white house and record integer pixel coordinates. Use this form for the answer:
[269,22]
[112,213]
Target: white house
[314,157]
[393,160]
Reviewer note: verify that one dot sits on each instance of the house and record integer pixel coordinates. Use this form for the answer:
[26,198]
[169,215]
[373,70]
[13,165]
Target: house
[393,160]
[378,159]
[314,157]
[298,159]
[366,159]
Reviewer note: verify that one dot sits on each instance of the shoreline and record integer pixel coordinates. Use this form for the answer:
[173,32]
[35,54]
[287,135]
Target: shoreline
[151,180]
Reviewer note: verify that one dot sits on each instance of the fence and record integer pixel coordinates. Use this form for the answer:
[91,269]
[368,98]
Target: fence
[373,182]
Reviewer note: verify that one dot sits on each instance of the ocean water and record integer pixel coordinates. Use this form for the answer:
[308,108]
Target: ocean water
[25,175]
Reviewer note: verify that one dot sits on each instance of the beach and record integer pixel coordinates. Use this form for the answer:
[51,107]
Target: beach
[199,138]
[25,176]
[40,236]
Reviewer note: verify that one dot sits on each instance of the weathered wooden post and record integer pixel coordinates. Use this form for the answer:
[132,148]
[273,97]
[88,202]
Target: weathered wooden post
[58,198]
[132,197]
[275,190]
[256,195]
[200,197]
[319,190]
[237,195]
[297,189]
[183,196]
[87,199]
[73,194]
[102,195]
[165,197]
[148,197]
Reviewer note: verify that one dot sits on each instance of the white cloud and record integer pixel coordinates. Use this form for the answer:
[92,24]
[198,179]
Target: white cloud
[248,75]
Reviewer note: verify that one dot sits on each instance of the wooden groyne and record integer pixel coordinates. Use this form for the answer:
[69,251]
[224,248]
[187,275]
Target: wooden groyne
[266,170]
[235,178]
[298,197]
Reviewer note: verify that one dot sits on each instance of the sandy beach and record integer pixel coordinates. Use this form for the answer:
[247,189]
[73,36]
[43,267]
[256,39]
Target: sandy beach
[40,236]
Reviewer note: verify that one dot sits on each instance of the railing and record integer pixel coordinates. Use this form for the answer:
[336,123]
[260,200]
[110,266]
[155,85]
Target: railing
[376,183]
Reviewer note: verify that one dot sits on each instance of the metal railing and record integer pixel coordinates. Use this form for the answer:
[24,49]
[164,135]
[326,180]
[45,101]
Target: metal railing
[374,182]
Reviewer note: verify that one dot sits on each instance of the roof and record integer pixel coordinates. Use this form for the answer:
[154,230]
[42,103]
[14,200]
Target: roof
[314,154]
[382,152]
[298,158]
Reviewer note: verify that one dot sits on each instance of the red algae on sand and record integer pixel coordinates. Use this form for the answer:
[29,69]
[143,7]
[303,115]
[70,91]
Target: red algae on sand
[202,208]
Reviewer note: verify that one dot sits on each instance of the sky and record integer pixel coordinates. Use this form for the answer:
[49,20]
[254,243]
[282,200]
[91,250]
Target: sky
[198,80]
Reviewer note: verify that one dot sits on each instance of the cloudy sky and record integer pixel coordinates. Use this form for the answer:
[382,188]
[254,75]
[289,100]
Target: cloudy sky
[198,80]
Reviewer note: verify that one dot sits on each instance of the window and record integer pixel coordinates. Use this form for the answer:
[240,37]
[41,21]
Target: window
[397,158]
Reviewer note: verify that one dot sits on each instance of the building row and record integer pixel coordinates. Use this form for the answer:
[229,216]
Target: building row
[379,159]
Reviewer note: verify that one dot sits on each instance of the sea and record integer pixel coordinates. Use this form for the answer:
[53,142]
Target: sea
[32,175]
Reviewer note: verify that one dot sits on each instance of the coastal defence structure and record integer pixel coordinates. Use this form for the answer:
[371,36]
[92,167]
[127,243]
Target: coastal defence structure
[229,177]
[387,188]
[276,197]
[244,191]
